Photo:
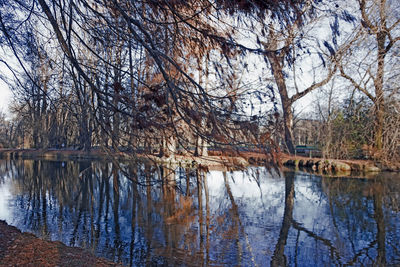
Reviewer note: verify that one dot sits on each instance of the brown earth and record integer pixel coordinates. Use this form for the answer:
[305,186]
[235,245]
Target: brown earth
[24,249]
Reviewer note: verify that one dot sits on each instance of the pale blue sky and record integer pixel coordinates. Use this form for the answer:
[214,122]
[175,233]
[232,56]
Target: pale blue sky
[5,97]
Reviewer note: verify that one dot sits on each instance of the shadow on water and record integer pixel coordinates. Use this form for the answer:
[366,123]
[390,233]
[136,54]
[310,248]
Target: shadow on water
[141,214]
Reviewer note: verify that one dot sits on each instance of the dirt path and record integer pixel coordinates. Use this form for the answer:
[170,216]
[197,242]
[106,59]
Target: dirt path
[24,249]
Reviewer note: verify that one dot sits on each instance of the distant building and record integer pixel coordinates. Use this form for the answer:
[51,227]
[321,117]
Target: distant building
[306,132]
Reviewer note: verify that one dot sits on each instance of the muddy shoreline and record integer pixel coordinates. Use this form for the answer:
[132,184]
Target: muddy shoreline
[25,249]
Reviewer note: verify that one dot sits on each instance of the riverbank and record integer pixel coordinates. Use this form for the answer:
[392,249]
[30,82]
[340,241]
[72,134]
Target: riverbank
[216,160]
[58,154]
[25,249]
[341,167]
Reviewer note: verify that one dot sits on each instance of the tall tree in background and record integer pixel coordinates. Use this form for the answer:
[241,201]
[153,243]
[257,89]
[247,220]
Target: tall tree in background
[284,46]
[366,63]
[292,48]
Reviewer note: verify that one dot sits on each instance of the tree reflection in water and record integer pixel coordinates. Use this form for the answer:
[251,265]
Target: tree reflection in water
[279,258]
[141,214]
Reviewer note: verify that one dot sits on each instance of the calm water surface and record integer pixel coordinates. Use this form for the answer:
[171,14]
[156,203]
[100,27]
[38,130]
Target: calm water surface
[148,215]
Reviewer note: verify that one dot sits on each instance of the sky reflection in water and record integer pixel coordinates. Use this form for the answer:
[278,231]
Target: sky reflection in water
[142,214]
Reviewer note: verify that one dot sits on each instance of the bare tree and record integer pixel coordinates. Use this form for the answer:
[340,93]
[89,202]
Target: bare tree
[366,63]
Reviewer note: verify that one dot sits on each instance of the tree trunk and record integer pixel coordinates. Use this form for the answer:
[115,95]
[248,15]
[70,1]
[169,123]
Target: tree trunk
[277,69]
[288,123]
[167,146]
[201,147]
[378,83]
[85,133]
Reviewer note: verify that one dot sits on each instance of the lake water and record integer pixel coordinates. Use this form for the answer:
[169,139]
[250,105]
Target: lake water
[147,215]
